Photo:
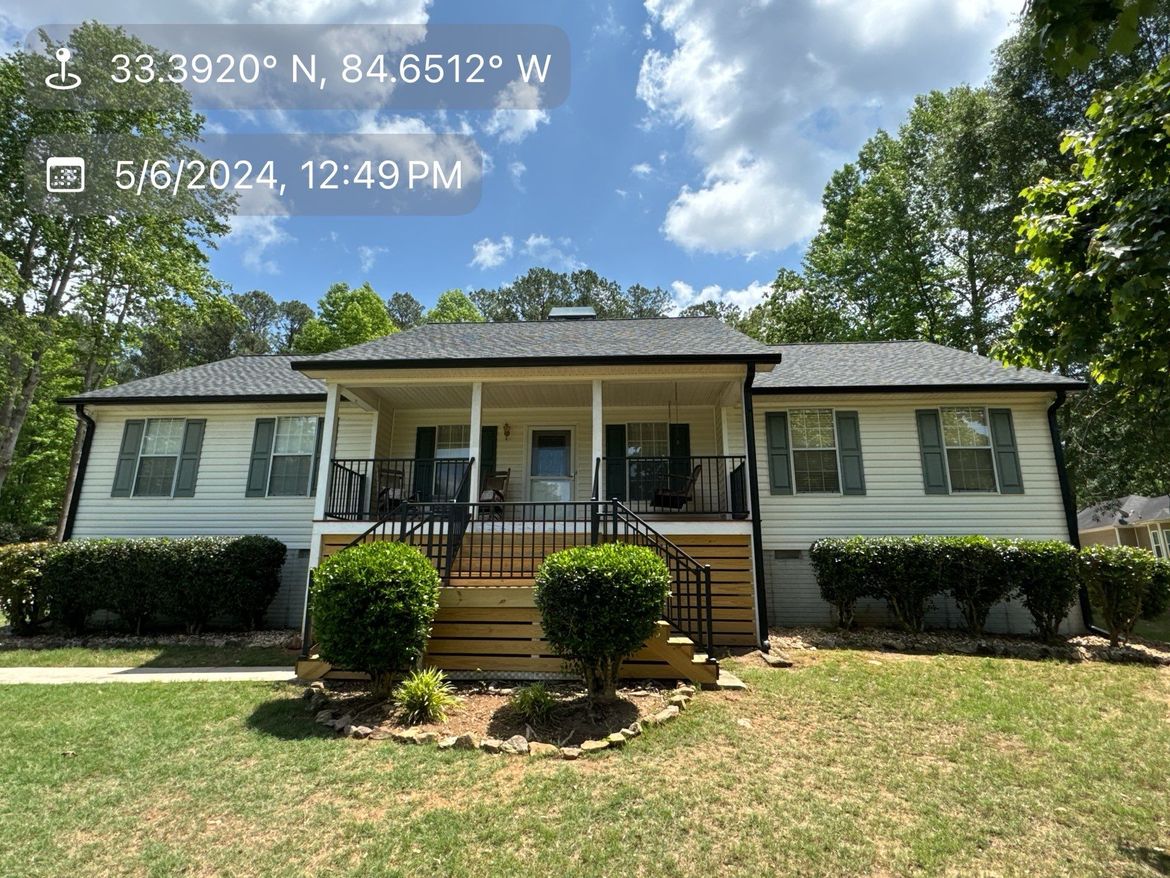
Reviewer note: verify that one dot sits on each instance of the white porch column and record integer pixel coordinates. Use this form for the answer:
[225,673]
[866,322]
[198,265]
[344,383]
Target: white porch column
[328,444]
[598,433]
[476,430]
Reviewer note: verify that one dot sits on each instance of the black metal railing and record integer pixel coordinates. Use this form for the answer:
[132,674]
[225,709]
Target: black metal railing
[369,489]
[694,485]
[510,540]
[689,606]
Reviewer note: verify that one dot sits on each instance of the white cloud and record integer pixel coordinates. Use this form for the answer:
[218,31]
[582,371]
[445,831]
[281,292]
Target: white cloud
[487,253]
[642,169]
[368,255]
[622,193]
[557,255]
[513,125]
[517,170]
[256,236]
[28,13]
[685,294]
[773,99]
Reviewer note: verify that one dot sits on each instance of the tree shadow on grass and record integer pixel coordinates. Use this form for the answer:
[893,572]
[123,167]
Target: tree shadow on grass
[286,718]
[1156,859]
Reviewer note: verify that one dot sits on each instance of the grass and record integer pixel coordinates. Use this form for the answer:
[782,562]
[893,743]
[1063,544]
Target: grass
[1155,629]
[854,763]
[163,656]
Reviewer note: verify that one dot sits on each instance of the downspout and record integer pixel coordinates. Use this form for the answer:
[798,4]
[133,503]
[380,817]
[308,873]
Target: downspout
[1070,506]
[75,496]
[749,423]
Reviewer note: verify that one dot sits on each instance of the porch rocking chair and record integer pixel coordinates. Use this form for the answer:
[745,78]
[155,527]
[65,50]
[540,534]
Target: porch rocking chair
[391,491]
[677,499]
[493,491]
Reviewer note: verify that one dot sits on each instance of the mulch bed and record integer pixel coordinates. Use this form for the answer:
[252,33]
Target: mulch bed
[1082,648]
[485,711]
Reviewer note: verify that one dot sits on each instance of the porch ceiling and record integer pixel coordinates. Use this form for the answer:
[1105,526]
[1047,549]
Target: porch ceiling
[545,394]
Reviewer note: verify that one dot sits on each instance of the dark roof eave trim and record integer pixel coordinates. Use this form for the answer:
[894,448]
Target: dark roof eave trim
[506,362]
[914,388]
[196,398]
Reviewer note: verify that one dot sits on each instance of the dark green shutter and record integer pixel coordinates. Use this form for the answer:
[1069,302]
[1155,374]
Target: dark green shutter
[615,461]
[1007,456]
[316,458]
[189,458]
[779,467]
[680,454]
[424,466]
[934,454]
[849,453]
[487,452]
[261,454]
[127,458]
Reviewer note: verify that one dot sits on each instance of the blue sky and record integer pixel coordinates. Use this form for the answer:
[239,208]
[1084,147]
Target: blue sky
[690,154]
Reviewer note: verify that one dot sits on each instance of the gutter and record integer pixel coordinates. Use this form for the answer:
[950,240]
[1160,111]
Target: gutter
[82,464]
[193,398]
[1059,387]
[749,422]
[1070,506]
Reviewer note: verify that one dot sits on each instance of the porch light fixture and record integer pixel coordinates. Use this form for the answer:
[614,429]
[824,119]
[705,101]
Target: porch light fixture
[507,430]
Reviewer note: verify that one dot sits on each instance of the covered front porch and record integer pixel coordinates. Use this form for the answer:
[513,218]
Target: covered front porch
[670,448]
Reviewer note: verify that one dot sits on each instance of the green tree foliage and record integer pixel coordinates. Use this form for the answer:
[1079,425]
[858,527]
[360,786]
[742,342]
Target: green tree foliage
[405,310]
[294,315]
[1094,238]
[260,314]
[532,295]
[792,314]
[85,280]
[1071,33]
[345,316]
[453,306]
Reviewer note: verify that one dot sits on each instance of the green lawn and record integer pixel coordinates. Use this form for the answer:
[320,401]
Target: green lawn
[852,764]
[166,656]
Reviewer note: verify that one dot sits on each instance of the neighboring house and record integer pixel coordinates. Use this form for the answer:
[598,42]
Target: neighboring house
[728,456]
[1130,521]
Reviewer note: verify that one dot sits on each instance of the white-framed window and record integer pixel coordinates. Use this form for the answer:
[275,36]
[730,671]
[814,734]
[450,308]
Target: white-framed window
[1159,542]
[293,447]
[158,457]
[648,439]
[967,437]
[814,451]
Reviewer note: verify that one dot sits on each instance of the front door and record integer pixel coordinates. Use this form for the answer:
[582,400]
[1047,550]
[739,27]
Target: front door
[550,471]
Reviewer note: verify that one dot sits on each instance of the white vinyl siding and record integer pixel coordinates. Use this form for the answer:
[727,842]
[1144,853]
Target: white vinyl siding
[894,503]
[219,506]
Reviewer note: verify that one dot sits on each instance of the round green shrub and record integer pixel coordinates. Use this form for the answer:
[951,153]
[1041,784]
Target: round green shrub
[1045,575]
[22,599]
[842,567]
[973,571]
[372,607]
[598,605]
[1157,598]
[1118,578]
[254,563]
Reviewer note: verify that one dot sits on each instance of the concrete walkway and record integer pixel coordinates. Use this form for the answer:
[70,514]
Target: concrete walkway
[9,676]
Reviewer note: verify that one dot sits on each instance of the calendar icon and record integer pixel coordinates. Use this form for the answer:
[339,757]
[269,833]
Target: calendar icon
[65,174]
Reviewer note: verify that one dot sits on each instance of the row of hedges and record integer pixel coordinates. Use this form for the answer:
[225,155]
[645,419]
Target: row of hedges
[143,581]
[978,572]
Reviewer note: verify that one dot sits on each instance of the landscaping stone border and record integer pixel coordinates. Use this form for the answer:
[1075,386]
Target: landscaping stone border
[317,702]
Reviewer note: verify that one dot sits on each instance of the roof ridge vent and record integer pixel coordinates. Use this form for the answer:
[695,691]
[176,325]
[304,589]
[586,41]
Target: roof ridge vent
[573,312]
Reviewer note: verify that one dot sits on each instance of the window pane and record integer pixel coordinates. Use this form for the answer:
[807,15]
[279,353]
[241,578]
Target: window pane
[163,436]
[816,472]
[648,439]
[965,428]
[156,475]
[453,440]
[971,469]
[290,475]
[295,436]
[811,428]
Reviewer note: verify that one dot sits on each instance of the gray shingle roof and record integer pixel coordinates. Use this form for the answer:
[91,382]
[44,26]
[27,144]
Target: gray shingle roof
[233,380]
[897,365]
[1130,510]
[656,338]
